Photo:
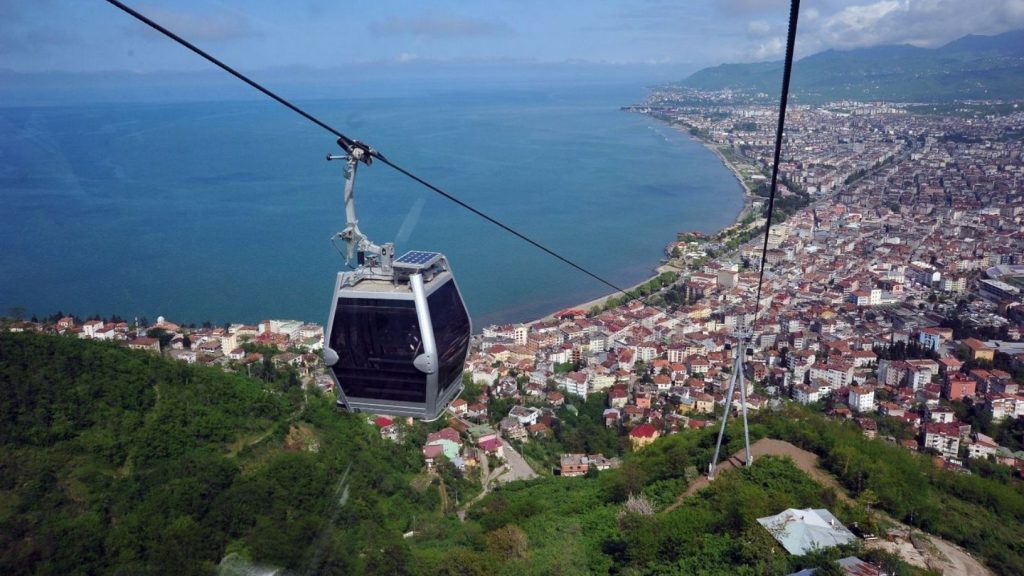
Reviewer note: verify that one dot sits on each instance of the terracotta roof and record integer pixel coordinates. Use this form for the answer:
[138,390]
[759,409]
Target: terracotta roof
[491,444]
[444,434]
[644,431]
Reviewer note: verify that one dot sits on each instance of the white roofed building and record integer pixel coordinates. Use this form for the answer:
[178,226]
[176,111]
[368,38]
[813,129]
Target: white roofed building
[800,531]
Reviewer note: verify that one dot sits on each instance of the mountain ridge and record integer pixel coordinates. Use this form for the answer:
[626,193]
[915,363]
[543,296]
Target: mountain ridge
[970,67]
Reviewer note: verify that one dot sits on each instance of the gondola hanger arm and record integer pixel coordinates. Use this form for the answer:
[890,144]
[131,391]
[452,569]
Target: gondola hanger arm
[357,244]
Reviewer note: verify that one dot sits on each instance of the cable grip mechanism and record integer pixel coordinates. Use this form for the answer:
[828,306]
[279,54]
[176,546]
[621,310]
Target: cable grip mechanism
[366,253]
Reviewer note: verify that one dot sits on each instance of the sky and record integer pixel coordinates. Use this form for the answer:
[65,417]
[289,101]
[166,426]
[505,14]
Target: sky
[91,35]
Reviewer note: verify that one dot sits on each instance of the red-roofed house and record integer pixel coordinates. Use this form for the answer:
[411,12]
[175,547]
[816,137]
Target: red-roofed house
[956,388]
[643,400]
[431,452]
[143,343]
[945,438]
[493,445]
[643,435]
[444,434]
[459,407]
[556,399]
[618,396]
[977,350]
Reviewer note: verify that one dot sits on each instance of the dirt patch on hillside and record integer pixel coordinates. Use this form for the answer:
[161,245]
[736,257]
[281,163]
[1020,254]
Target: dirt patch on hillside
[945,556]
[806,461]
[301,438]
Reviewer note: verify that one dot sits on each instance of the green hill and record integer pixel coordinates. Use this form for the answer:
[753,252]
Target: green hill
[973,67]
[120,462]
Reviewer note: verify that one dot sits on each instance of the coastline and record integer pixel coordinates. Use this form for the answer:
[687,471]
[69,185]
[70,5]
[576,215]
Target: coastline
[748,194]
[592,127]
[748,197]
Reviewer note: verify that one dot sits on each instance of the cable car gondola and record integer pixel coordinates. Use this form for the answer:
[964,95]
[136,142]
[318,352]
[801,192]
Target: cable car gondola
[383,303]
[398,331]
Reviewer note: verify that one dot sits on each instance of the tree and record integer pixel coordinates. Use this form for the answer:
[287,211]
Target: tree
[637,505]
[1011,433]
[639,367]
[162,335]
[564,367]
[471,391]
[387,553]
[508,543]
[830,568]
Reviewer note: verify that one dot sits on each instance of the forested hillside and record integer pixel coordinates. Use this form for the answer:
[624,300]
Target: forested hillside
[973,67]
[120,462]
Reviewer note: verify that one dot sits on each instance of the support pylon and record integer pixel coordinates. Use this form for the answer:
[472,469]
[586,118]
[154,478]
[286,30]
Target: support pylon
[740,351]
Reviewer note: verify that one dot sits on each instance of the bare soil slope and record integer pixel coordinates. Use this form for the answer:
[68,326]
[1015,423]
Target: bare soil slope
[945,556]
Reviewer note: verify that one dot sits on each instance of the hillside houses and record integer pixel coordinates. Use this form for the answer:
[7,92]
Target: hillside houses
[878,302]
[207,344]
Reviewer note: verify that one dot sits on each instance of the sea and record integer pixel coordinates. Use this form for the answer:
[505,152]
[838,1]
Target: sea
[223,211]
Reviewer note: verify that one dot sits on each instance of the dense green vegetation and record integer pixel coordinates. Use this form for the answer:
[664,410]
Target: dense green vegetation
[982,512]
[585,526]
[579,429]
[965,329]
[652,286]
[570,527]
[120,462]
[901,350]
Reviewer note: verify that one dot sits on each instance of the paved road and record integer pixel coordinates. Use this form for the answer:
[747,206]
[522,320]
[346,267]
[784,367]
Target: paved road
[514,468]
[518,469]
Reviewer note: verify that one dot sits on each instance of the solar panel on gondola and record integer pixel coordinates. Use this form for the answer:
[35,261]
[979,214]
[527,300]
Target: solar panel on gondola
[398,331]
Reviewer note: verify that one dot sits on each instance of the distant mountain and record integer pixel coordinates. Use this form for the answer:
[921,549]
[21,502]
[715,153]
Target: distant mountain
[973,67]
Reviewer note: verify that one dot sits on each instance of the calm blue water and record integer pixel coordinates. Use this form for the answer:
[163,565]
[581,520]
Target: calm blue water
[223,211]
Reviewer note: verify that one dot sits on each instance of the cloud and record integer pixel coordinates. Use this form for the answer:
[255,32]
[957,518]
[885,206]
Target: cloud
[758,29]
[434,26]
[861,25]
[919,22]
[203,27]
[772,49]
[844,26]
